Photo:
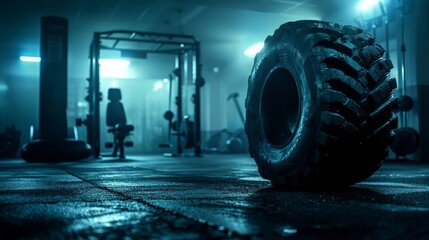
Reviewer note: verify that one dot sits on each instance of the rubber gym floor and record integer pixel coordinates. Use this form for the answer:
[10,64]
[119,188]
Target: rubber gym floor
[210,197]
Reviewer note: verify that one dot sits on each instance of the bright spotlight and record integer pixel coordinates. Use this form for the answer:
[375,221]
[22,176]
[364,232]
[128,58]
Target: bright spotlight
[253,50]
[366,5]
[114,68]
[371,9]
[158,85]
[29,59]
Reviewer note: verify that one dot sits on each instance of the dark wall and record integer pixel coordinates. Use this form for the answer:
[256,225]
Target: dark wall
[422,74]
[19,103]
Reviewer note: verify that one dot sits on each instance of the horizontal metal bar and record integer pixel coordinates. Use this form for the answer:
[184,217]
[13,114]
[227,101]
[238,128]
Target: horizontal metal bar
[148,41]
[165,51]
[109,34]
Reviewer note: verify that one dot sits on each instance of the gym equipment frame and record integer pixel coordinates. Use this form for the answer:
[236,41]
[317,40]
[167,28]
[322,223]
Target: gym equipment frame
[139,44]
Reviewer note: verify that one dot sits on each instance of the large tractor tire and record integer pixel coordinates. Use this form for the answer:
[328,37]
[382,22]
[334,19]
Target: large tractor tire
[319,107]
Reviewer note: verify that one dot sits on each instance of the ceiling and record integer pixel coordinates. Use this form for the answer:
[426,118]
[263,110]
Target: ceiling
[225,28]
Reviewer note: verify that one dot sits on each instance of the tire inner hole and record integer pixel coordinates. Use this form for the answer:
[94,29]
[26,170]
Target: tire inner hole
[280,107]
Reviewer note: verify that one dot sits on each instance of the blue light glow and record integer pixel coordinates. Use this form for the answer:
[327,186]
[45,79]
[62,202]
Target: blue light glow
[114,62]
[371,9]
[3,87]
[158,85]
[29,59]
[114,68]
[367,5]
[253,50]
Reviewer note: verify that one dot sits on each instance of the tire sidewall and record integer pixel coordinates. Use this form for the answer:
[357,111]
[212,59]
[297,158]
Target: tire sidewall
[299,61]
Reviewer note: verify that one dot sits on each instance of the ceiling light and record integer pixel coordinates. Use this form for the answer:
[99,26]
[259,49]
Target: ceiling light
[29,59]
[253,50]
[366,5]
[371,9]
[114,68]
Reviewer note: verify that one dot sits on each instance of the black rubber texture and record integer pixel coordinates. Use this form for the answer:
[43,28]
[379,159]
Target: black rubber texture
[346,114]
[52,151]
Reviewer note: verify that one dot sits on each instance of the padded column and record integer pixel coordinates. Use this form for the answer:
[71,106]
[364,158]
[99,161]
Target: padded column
[53,145]
[53,78]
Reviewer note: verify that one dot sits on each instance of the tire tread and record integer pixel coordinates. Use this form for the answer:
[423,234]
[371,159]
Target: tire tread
[357,114]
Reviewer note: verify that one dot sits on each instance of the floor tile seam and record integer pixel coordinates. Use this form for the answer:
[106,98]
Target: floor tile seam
[212,226]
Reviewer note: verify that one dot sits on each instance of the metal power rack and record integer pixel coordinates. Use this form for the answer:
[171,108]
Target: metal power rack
[141,44]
